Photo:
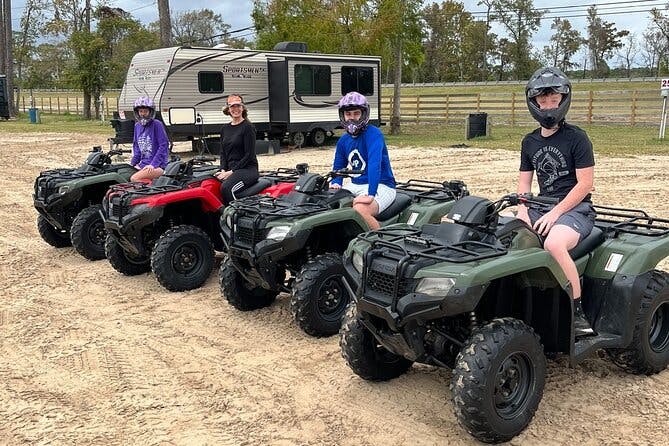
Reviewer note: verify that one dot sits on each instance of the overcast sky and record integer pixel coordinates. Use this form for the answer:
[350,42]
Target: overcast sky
[632,15]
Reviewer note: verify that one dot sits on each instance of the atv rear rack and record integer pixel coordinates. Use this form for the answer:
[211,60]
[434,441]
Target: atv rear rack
[614,220]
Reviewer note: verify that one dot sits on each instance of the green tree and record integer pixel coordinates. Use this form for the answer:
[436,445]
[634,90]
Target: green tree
[603,40]
[520,20]
[564,43]
[202,27]
[453,50]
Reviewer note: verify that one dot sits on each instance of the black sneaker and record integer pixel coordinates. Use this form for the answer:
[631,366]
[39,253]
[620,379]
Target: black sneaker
[582,326]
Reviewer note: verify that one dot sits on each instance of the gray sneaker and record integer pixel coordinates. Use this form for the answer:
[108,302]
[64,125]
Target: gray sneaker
[582,326]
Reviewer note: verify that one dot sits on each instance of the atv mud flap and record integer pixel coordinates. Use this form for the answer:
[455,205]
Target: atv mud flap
[55,210]
[257,270]
[395,342]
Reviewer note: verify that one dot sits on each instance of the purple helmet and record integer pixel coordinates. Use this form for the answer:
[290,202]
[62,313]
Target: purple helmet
[144,102]
[354,101]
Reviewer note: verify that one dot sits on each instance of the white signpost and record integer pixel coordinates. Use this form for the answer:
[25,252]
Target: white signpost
[664,91]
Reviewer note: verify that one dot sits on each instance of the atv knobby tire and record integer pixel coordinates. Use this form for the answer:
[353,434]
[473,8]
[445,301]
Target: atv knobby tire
[124,262]
[52,235]
[364,355]
[498,380]
[182,258]
[648,352]
[241,294]
[319,297]
[88,233]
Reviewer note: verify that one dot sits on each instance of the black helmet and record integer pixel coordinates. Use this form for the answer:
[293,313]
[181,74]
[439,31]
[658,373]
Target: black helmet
[548,79]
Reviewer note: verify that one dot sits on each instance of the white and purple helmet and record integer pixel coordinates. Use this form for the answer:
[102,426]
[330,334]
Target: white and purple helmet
[144,102]
[354,101]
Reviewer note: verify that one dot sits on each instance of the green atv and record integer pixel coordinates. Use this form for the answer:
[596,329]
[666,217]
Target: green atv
[294,244]
[481,296]
[68,202]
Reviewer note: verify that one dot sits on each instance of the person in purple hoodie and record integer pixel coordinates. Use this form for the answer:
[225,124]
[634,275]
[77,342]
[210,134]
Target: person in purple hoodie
[150,145]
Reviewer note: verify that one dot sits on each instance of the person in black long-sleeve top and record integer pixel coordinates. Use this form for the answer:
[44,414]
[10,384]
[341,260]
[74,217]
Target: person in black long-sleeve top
[239,165]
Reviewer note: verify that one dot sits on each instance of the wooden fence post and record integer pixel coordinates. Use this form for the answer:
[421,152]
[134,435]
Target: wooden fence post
[417,109]
[513,108]
[58,103]
[633,111]
[478,102]
[447,106]
[591,97]
[50,107]
[76,105]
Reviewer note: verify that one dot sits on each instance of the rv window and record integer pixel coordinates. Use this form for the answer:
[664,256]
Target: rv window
[360,79]
[210,81]
[313,80]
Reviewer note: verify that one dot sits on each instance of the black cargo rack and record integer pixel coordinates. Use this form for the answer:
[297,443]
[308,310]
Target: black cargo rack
[614,220]
[434,190]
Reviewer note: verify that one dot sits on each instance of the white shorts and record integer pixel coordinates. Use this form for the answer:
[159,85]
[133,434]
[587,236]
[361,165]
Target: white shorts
[384,195]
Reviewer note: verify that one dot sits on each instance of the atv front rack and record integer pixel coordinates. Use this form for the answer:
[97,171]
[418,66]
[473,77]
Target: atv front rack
[613,221]
[411,245]
[433,190]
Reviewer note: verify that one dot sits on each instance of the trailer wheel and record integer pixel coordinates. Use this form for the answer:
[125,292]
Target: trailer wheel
[317,137]
[296,139]
[648,352]
[52,235]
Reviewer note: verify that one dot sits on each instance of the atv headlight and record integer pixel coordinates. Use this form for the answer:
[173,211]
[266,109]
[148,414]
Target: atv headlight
[278,232]
[62,190]
[356,260]
[435,286]
[228,221]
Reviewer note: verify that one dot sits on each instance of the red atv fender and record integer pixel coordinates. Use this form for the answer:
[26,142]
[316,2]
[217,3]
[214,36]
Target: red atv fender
[207,191]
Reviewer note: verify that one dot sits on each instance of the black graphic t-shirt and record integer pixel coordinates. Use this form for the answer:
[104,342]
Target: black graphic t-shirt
[556,158]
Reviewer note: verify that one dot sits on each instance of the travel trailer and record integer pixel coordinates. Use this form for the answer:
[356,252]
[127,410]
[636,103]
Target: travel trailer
[290,93]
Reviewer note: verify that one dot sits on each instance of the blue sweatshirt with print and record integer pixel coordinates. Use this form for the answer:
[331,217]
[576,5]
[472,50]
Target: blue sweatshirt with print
[366,152]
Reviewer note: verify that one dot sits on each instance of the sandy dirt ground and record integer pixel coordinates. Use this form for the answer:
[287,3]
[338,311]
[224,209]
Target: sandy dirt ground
[88,356]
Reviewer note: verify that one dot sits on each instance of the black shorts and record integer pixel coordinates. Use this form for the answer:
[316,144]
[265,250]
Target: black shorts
[581,218]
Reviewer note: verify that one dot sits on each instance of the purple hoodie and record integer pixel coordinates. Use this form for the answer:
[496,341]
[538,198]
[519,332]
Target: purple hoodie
[150,145]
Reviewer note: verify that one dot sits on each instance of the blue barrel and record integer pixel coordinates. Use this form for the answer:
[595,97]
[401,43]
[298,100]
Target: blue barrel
[33,113]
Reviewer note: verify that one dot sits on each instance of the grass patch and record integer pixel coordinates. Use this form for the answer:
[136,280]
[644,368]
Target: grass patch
[64,123]
[612,140]
[606,140]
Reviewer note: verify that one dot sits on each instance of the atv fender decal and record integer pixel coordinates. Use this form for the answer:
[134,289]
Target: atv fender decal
[614,262]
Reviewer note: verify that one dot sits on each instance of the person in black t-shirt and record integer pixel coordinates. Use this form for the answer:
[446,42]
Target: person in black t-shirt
[239,165]
[561,155]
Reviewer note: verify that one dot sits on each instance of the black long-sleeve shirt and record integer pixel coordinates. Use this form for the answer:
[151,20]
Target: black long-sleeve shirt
[238,146]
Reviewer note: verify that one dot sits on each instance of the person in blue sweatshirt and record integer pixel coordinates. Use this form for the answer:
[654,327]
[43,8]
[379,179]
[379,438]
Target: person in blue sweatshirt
[363,148]
[150,145]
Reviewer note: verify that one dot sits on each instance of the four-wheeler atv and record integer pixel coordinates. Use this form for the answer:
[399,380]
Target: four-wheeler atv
[171,226]
[294,244]
[480,295]
[68,201]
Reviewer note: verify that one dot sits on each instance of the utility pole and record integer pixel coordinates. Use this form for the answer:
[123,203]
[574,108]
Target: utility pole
[165,23]
[87,28]
[6,53]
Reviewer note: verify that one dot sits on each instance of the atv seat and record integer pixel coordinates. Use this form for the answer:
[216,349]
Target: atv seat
[401,202]
[254,189]
[593,240]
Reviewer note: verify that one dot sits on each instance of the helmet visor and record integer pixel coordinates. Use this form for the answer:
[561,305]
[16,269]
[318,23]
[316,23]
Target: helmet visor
[534,92]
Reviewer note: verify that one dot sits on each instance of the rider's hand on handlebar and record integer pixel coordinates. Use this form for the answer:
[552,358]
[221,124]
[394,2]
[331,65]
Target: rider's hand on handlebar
[335,186]
[523,215]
